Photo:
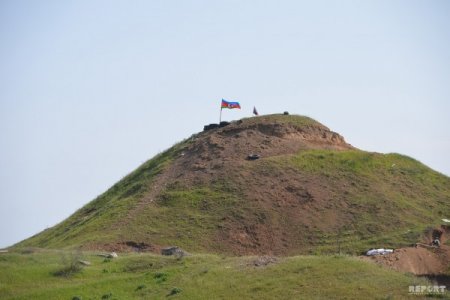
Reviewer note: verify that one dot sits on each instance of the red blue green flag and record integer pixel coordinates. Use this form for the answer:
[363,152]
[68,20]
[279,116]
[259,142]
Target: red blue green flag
[230,105]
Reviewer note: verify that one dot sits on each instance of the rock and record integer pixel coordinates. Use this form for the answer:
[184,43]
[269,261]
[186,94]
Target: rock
[109,255]
[173,251]
[84,262]
[263,261]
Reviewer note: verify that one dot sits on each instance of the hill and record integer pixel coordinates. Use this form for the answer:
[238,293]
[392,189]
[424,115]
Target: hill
[310,192]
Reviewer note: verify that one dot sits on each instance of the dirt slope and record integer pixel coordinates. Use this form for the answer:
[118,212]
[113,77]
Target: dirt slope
[421,259]
[418,261]
[309,192]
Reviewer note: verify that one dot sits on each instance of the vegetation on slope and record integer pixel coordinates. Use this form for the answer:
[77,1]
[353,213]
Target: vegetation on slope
[386,200]
[146,276]
[295,120]
[97,220]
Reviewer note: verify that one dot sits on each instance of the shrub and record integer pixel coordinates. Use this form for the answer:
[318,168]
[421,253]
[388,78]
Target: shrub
[160,277]
[107,296]
[174,291]
[70,264]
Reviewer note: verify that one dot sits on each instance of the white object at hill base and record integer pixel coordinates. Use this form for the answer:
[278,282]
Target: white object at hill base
[381,251]
[446,220]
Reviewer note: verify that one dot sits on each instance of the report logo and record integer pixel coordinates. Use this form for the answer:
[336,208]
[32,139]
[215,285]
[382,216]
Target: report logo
[426,289]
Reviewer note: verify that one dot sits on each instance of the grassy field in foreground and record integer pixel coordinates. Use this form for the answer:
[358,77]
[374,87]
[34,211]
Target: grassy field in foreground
[148,276]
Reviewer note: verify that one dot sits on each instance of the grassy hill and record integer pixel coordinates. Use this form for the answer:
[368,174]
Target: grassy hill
[309,193]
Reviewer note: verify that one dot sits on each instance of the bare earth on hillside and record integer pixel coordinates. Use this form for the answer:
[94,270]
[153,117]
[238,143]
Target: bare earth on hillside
[216,154]
[419,260]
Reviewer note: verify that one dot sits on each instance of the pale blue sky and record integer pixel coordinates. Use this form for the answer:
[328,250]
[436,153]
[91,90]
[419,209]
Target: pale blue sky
[91,89]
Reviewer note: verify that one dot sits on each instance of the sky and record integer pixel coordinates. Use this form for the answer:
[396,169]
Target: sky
[90,89]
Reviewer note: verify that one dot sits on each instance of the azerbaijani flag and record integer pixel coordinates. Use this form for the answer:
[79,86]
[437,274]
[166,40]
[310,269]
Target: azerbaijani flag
[230,105]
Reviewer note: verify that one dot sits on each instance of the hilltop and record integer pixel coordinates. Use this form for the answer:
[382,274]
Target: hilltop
[309,192]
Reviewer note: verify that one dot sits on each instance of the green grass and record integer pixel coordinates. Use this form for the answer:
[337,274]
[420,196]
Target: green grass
[184,217]
[295,120]
[147,276]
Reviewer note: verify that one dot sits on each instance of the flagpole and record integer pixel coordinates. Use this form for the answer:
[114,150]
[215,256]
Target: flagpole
[220,119]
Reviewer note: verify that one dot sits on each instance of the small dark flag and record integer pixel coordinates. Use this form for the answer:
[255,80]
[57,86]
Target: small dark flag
[255,112]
